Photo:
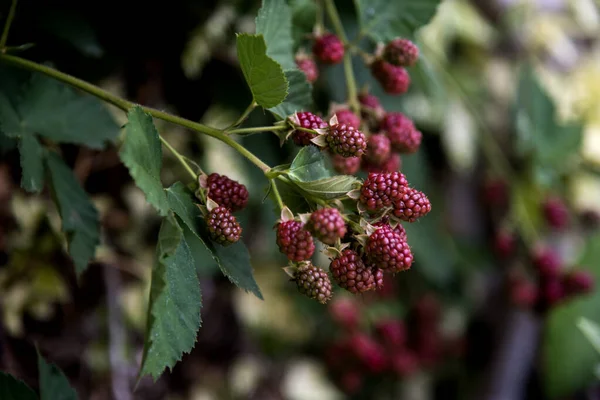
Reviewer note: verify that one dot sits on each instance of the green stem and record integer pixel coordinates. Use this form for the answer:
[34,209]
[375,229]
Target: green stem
[244,115]
[320,26]
[7,24]
[277,194]
[179,157]
[125,105]
[257,129]
[348,70]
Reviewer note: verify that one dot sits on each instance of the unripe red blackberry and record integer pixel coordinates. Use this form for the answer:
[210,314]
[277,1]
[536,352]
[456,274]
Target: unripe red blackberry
[346,140]
[552,292]
[307,120]
[226,192]
[369,100]
[399,229]
[313,282]
[392,332]
[579,282]
[345,165]
[350,272]
[327,224]
[504,243]
[401,52]
[328,49]
[345,312]
[222,226]
[556,213]
[411,205]
[380,190]
[347,117]
[403,135]
[405,363]
[307,65]
[523,294]
[294,241]
[386,250]
[379,148]
[547,262]
[392,164]
[369,352]
[393,80]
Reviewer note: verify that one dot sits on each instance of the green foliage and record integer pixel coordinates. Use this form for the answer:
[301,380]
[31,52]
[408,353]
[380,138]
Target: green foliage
[32,163]
[53,110]
[551,146]
[274,22]
[299,97]
[569,360]
[591,330]
[175,302]
[54,385]
[234,260]
[142,154]
[309,165]
[304,15]
[331,188]
[385,20]
[13,389]
[264,75]
[80,221]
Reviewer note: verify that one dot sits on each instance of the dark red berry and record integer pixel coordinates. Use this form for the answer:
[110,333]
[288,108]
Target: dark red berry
[369,352]
[579,282]
[380,190]
[379,148]
[294,241]
[504,243]
[552,291]
[345,165]
[386,250]
[313,282]
[226,192]
[399,229]
[495,192]
[523,294]
[405,363]
[347,117]
[547,262]
[351,273]
[328,49]
[401,131]
[392,164]
[309,67]
[392,332]
[346,140]
[345,312]
[401,52]
[394,80]
[222,226]
[306,120]
[411,205]
[327,224]
[369,100]
[556,213]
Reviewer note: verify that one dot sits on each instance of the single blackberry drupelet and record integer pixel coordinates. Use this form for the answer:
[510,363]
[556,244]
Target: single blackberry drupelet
[294,241]
[327,224]
[313,282]
[222,226]
[350,272]
[227,192]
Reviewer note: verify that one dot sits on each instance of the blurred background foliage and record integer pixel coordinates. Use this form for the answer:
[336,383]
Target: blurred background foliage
[505,89]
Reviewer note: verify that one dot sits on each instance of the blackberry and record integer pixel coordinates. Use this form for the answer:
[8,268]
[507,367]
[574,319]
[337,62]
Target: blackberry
[351,273]
[347,117]
[401,52]
[346,140]
[392,164]
[294,241]
[226,192]
[386,250]
[223,228]
[313,282]
[306,120]
[345,165]
[578,282]
[307,65]
[393,79]
[327,224]
[378,149]
[411,205]
[403,135]
[547,262]
[381,190]
[328,49]
[556,213]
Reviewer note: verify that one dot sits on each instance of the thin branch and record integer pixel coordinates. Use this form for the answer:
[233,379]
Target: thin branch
[7,24]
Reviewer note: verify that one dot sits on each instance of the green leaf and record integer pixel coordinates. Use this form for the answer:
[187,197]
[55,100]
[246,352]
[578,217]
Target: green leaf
[385,20]
[274,22]
[54,110]
[569,360]
[32,163]
[234,260]
[12,388]
[591,330]
[329,188]
[553,147]
[264,75]
[299,97]
[142,154]
[175,302]
[304,17]
[6,143]
[80,221]
[54,385]
[309,165]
